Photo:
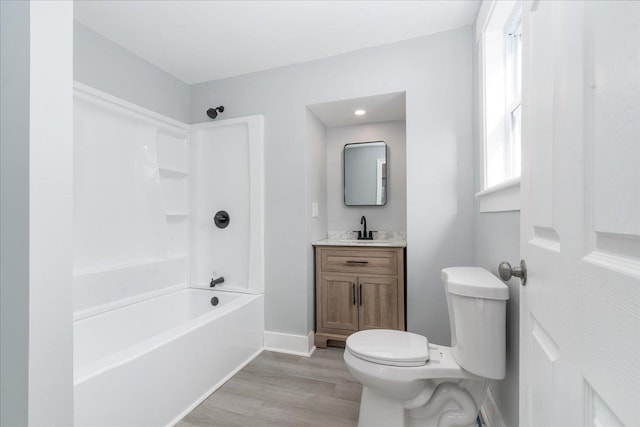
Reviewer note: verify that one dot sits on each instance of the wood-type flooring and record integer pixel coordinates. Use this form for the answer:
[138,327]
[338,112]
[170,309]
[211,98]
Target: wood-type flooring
[282,390]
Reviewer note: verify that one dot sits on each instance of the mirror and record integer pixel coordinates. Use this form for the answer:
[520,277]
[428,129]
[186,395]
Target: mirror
[365,174]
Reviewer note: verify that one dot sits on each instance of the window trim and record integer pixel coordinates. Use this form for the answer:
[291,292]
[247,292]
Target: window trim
[504,196]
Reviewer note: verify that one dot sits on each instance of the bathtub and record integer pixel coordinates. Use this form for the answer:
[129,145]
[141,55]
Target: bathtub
[150,363]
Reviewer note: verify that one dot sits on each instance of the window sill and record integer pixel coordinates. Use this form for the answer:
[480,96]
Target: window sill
[503,197]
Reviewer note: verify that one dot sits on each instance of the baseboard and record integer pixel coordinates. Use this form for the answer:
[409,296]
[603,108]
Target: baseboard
[490,412]
[299,345]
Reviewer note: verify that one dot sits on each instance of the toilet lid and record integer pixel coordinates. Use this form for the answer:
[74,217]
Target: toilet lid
[389,347]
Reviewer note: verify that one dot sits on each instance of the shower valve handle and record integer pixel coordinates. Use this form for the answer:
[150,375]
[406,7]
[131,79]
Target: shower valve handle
[221,219]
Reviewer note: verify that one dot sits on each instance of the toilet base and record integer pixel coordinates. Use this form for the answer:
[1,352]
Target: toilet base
[378,410]
[450,404]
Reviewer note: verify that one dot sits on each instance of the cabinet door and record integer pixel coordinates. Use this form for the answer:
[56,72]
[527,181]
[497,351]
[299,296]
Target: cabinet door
[378,302]
[339,309]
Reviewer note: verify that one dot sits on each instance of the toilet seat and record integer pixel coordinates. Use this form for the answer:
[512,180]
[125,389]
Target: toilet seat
[389,347]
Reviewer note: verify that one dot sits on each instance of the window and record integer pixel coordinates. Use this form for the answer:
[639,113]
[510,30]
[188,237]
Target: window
[499,31]
[513,63]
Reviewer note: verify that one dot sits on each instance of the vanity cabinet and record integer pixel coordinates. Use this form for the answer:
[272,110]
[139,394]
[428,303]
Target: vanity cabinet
[358,288]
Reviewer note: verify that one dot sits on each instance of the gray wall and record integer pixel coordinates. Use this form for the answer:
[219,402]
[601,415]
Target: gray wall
[36,324]
[104,65]
[14,212]
[435,71]
[392,216]
[316,192]
[50,215]
[497,239]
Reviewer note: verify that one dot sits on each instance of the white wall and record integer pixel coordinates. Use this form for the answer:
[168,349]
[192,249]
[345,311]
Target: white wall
[14,211]
[104,65]
[435,72]
[392,216]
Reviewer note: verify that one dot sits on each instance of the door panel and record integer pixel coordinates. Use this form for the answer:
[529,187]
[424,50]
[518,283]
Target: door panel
[339,302]
[580,217]
[543,354]
[378,301]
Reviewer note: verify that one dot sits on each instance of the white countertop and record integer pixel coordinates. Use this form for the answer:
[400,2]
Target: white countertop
[376,243]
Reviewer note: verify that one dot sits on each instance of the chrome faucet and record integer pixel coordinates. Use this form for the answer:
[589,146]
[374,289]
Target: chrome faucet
[217,281]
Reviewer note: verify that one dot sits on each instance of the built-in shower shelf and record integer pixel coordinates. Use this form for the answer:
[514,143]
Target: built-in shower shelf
[172,173]
[176,214]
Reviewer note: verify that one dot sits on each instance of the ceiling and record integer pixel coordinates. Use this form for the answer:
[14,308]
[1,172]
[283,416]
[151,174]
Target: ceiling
[197,41]
[379,108]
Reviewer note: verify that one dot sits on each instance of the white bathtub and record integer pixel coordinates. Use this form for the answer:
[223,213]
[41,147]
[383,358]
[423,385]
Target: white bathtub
[150,363]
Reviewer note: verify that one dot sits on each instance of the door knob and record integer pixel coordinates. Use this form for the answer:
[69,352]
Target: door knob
[506,271]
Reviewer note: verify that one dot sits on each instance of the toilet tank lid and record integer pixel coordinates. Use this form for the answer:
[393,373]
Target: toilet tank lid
[475,282]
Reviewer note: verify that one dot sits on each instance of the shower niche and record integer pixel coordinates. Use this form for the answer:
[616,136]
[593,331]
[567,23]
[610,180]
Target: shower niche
[173,169]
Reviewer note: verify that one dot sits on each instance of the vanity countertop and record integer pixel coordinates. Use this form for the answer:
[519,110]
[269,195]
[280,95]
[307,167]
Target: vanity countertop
[376,243]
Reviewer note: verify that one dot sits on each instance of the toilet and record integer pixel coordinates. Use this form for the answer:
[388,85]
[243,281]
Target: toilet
[408,382]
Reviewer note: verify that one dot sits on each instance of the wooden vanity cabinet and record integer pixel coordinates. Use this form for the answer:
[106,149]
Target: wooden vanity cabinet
[357,288]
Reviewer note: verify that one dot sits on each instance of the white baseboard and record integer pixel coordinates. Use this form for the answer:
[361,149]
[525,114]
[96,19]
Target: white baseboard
[490,412]
[300,345]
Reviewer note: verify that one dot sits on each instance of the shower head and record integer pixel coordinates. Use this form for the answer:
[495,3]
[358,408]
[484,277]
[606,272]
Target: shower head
[213,112]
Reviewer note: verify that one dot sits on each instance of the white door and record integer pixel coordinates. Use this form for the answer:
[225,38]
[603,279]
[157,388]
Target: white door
[580,218]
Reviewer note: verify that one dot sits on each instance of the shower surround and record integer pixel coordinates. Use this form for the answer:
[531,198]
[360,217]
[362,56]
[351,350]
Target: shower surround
[147,347]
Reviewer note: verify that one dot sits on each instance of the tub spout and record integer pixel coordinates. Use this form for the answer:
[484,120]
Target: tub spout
[216,281]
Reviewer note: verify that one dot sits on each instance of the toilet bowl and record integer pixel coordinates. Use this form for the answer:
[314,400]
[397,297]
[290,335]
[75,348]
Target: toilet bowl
[408,382]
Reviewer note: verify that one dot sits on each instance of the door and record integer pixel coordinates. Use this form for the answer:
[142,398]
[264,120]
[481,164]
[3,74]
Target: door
[339,305]
[378,300]
[580,218]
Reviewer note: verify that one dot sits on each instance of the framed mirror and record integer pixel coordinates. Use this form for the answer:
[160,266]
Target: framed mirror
[365,174]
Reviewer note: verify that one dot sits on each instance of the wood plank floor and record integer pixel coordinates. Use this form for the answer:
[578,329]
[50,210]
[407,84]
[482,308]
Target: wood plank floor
[278,389]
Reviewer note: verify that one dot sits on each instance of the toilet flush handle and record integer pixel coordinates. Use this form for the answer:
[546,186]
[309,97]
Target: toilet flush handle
[507,272]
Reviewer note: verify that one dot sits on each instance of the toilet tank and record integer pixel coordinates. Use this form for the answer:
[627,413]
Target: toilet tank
[477,312]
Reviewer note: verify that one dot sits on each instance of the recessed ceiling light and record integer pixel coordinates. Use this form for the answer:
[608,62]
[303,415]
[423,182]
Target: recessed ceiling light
[359,112]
